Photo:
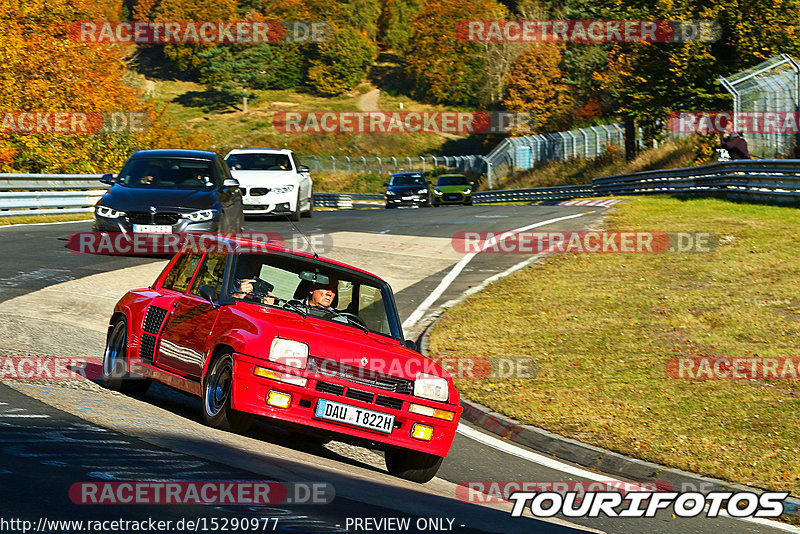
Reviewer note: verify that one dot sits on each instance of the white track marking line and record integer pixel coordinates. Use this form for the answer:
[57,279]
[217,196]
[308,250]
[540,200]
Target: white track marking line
[458,267]
[26,416]
[41,224]
[551,463]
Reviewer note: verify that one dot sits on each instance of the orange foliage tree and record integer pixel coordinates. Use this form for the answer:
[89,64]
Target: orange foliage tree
[43,70]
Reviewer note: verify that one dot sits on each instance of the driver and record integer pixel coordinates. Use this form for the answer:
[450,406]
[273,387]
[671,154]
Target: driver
[322,295]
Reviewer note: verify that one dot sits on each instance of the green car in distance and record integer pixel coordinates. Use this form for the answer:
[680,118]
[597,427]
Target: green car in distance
[453,189]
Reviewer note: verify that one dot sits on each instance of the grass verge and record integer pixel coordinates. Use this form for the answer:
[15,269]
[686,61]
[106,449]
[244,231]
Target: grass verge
[31,219]
[603,328]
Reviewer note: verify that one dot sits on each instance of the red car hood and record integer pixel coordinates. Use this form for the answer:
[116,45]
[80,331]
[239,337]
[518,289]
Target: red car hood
[350,346]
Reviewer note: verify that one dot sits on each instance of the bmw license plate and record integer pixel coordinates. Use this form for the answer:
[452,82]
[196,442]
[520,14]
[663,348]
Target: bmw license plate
[409,198]
[344,413]
[152,229]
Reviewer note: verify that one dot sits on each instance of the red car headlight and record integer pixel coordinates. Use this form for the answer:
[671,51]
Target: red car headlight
[289,352]
[431,387]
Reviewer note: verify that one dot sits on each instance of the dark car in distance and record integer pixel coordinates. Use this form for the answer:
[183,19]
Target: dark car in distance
[171,191]
[407,189]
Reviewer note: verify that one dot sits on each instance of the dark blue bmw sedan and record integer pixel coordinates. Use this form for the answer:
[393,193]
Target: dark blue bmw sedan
[171,191]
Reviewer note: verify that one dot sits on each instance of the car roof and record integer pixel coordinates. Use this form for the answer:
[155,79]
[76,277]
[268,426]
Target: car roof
[257,246]
[452,175]
[415,173]
[259,151]
[174,153]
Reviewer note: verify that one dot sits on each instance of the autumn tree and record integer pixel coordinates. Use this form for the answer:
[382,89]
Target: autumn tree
[41,69]
[342,62]
[442,65]
[238,70]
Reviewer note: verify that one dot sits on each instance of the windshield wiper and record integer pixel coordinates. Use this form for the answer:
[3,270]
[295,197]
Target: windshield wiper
[350,320]
[293,306]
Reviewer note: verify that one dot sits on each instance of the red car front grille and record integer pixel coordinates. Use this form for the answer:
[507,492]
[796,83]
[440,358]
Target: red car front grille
[359,375]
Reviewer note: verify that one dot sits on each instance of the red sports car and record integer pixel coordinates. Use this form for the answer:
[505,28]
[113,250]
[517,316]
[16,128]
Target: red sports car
[258,330]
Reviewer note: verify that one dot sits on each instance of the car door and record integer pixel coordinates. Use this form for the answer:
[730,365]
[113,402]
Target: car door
[230,198]
[304,181]
[183,344]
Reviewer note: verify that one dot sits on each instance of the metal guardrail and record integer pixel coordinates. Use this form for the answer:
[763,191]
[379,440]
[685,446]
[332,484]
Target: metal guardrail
[533,195]
[766,179]
[759,180]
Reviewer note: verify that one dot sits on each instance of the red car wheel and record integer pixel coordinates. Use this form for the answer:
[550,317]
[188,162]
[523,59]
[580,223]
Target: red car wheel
[217,411]
[115,362]
[412,465]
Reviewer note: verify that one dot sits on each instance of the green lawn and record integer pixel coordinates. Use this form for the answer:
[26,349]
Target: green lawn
[604,326]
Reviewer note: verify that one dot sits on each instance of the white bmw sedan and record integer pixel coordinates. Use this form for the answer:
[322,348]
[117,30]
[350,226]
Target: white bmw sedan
[272,182]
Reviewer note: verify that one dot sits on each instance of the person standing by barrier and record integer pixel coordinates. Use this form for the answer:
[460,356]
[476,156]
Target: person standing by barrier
[736,145]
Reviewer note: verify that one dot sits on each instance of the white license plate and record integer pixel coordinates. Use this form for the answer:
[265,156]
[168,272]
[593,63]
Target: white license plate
[152,229]
[409,198]
[344,413]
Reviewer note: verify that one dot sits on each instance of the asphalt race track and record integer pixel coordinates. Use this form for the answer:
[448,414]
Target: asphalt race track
[53,303]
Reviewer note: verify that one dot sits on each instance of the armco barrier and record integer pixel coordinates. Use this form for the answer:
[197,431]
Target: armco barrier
[754,180]
[757,180]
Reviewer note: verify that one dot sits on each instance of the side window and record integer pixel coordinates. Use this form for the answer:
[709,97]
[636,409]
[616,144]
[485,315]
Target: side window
[210,274]
[222,170]
[181,274]
[371,309]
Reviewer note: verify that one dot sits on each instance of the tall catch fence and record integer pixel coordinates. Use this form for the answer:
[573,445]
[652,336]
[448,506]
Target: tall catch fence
[771,86]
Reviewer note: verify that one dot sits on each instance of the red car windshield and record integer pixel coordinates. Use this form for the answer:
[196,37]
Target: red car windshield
[276,279]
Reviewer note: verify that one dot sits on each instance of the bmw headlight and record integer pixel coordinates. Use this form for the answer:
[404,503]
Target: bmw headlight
[390,193]
[109,213]
[467,191]
[422,191]
[283,189]
[289,352]
[202,215]
[437,192]
[431,387]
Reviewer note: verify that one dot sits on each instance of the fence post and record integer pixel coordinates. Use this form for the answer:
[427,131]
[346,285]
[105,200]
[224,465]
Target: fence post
[348,163]
[380,165]
[316,164]
[394,160]
[410,165]
[364,160]
[333,164]
[423,163]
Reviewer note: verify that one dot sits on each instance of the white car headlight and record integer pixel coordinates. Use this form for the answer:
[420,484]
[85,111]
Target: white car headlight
[467,191]
[203,215]
[390,193]
[282,189]
[289,352]
[422,191]
[437,192]
[109,213]
[431,387]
